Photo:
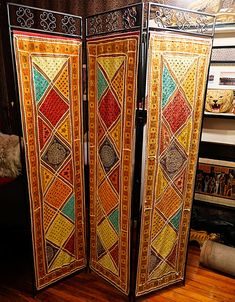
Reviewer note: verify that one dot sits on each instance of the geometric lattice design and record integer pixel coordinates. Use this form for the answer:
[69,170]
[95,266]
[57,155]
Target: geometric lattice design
[188,83]
[169,202]
[162,183]
[107,196]
[115,134]
[109,109]
[44,132]
[164,242]
[107,262]
[59,230]
[58,192]
[165,137]
[158,222]
[51,251]
[179,65]
[53,107]
[68,208]
[112,73]
[108,155]
[185,135]
[110,65]
[177,111]
[49,74]
[118,84]
[67,172]
[168,84]
[40,83]
[107,234]
[114,219]
[114,178]
[64,130]
[175,220]
[69,246]
[50,65]
[62,259]
[100,248]
[164,269]
[154,261]
[62,82]
[179,181]
[173,160]
[176,94]
[114,254]
[46,178]
[171,258]
[48,214]
[55,153]
[102,84]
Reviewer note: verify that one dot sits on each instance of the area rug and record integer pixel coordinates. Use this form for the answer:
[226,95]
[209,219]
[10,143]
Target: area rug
[112,92]
[49,81]
[178,67]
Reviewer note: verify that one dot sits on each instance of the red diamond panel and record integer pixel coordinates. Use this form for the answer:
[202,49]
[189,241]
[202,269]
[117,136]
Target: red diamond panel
[53,107]
[177,112]
[109,109]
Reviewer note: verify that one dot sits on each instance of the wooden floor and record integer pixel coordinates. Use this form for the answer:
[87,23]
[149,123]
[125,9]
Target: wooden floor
[201,285]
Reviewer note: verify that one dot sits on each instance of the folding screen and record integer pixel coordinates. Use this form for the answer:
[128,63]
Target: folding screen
[177,62]
[177,77]
[174,45]
[112,75]
[49,81]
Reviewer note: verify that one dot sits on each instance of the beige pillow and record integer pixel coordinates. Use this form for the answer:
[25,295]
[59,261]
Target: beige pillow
[10,162]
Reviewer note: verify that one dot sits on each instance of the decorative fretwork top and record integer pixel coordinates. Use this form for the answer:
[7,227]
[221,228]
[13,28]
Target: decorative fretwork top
[41,20]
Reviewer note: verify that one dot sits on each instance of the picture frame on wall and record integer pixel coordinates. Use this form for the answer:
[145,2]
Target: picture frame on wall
[223,54]
[215,182]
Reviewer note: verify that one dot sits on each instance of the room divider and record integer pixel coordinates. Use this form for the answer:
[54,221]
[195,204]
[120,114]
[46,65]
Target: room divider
[147,67]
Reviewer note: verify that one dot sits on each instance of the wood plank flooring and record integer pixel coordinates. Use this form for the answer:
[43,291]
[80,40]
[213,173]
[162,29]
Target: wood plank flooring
[202,285]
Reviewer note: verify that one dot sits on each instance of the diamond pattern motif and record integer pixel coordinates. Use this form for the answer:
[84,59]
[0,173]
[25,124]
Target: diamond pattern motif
[107,234]
[168,236]
[109,109]
[113,102]
[55,153]
[169,203]
[177,111]
[108,155]
[59,230]
[53,107]
[57,193]
[173,160]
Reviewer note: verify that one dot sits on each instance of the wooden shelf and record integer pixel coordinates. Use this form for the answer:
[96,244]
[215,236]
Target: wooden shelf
[220,87]
[219,115]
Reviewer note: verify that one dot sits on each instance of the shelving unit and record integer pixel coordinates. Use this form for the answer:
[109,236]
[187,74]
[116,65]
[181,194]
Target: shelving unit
[220,127]
[218,144]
